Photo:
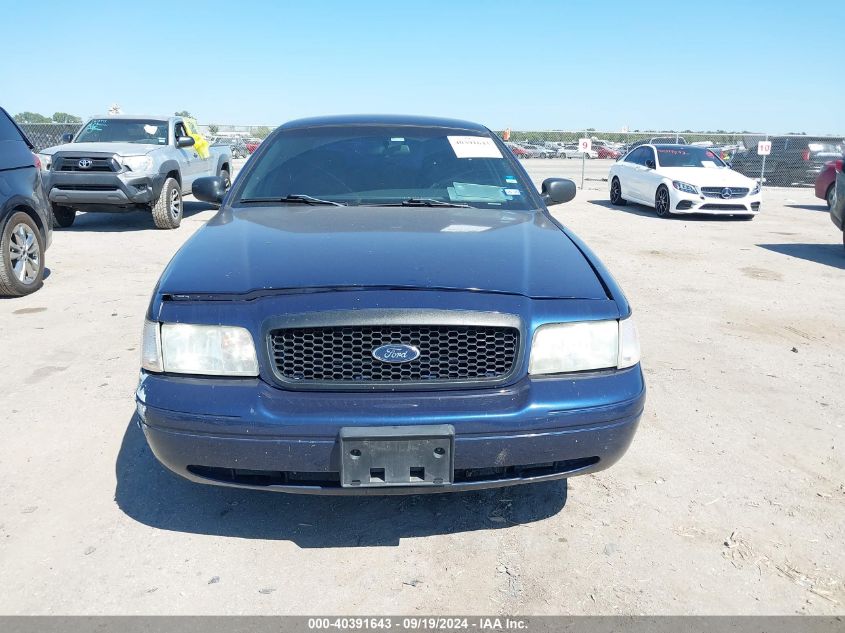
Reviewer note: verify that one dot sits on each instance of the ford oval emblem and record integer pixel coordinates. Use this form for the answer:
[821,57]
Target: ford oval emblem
[396,353]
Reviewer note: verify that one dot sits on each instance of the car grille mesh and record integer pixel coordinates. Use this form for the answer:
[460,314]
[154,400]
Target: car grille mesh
[71,163]
[716,192]
[343,354]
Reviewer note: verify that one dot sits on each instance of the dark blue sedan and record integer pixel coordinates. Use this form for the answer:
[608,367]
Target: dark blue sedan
[384,305]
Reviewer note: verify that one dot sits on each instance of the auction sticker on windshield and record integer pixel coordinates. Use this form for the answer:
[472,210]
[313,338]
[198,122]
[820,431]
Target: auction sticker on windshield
[474,147]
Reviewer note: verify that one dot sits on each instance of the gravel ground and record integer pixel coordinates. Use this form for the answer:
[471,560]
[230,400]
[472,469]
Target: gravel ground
[730,501]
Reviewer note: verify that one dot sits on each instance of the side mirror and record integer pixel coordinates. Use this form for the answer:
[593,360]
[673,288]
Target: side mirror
[185,141]
[209,189]
[557,190]
[650,164]
[67,137]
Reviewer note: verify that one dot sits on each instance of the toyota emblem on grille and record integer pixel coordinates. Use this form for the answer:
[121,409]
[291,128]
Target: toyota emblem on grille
[85,163]
[396,353]
[727,193]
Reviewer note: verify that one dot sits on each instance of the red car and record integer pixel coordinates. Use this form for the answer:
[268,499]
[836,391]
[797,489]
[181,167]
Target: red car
[606,152]
[826,179]
[251,146]
[517,150]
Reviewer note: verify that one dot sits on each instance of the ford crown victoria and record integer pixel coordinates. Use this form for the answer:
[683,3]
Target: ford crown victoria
[384,305]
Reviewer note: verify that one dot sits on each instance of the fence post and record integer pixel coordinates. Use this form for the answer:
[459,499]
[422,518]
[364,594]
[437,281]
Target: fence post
[763,167]
[583,163]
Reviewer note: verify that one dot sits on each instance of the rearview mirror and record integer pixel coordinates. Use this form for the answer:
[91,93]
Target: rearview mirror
[209,189]
[557,191]
[650,164]
[67,137]
[185,141]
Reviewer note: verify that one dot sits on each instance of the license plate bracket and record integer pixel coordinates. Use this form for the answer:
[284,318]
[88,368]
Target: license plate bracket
[397,456]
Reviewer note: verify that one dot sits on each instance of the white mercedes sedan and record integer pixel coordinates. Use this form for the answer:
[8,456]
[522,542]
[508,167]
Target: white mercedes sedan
[682,179]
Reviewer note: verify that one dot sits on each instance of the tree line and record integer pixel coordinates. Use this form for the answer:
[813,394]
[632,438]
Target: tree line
[58,117]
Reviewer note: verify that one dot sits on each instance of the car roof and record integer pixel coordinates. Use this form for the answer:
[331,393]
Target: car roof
[383,119]
[673,146]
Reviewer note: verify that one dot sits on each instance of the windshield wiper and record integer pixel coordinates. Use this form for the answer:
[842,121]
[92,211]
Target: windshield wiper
[296,198]
[424,202]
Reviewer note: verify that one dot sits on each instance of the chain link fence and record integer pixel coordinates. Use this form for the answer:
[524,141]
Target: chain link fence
[795,160]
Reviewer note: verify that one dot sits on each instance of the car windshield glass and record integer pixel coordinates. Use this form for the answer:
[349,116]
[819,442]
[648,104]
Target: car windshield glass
[370,164]
[688,157]
[124,131]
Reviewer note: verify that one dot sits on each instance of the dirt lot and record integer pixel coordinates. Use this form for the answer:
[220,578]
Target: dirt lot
[731,499]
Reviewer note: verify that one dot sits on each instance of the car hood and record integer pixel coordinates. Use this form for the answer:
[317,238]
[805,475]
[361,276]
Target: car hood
[708,177]
[253,249]
[121,149]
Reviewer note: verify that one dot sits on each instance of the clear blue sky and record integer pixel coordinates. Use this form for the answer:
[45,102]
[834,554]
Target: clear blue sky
[703,64]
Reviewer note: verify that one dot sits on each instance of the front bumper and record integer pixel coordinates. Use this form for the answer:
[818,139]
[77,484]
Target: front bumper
[245,433]
[102,189]
[685,203]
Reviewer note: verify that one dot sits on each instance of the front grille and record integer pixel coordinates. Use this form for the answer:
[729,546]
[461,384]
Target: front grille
[342,355]
[71,163]
[716,192]
[723,207]
[86,187]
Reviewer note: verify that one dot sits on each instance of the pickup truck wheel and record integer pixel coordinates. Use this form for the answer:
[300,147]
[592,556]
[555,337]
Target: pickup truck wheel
[227,180]
[167,211]
[21,256]
[63,217]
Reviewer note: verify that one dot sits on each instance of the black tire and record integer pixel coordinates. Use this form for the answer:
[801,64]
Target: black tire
[63,217]
[22,239]
[663,202]
[616,198]
[227,180]
[829,195]
[167,211]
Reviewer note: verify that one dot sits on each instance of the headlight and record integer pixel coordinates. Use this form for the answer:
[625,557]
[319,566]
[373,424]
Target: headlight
[582,346]
[684,186]
[755,190]
[46,161]
[137,163]
[211,350]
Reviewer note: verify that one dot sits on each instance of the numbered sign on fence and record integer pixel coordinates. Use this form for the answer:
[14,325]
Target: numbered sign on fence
[585,144]
[764,148]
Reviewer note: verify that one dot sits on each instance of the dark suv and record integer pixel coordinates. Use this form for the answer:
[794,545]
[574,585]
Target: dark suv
[793,160]
[25,227]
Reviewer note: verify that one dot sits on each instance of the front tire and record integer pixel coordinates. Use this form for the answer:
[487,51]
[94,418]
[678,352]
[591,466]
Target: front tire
[830,196]
[226,178]
[167,211]
[63,217]
[21,256]
[662,202]
[616,198]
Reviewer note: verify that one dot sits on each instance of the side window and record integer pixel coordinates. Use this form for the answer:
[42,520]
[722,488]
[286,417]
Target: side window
[180,130]
[637,157]
[648,155]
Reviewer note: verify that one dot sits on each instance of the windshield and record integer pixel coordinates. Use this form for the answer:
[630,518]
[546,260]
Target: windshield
[358,165]
[124,131]
[688,157]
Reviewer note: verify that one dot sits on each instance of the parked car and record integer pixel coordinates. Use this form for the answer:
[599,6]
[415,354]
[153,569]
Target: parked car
[793,159]
[236,145]
[127,162]
[658,140]
[517,151]
[603,151]
[826,181]
[837,207]
[573,151]
[682,179]
[252,144]
[25,229]
[361,335]
[535,151]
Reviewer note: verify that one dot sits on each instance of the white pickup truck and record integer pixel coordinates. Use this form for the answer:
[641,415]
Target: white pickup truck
[128,162]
